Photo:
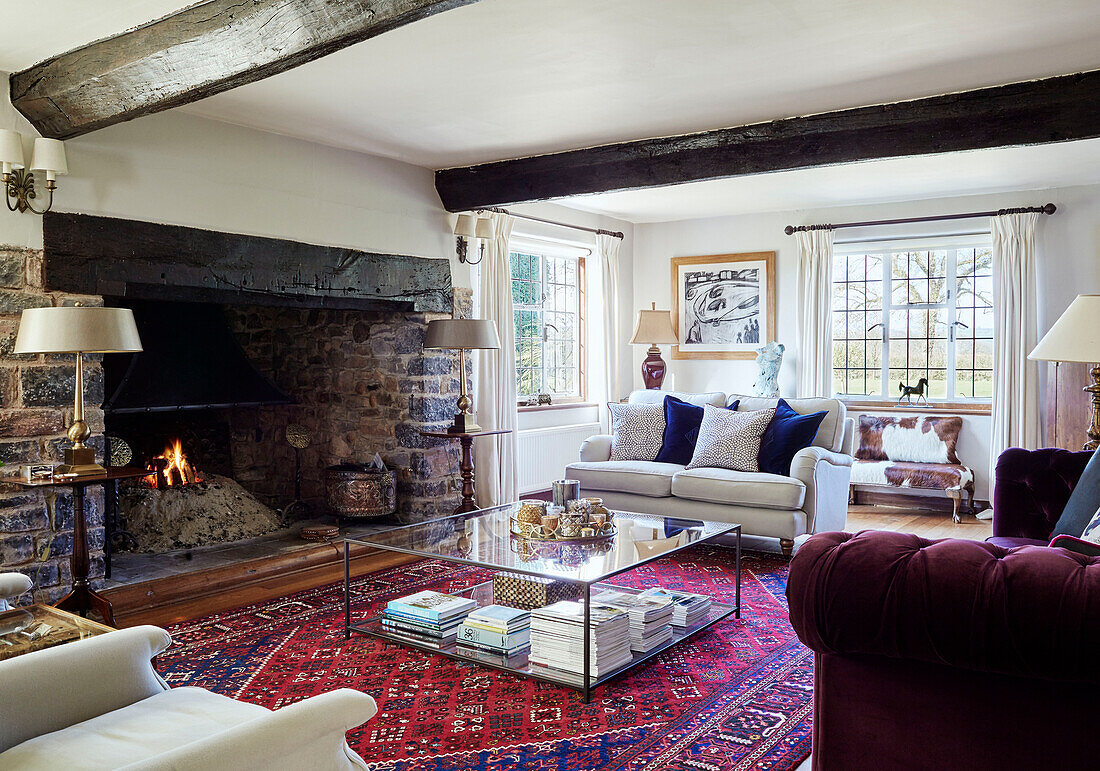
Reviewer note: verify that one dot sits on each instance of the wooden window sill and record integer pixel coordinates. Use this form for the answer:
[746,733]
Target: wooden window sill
[551,407]
[954,408]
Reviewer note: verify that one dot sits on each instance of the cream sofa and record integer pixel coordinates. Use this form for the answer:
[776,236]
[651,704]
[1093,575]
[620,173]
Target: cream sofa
[98,703]
[813,499]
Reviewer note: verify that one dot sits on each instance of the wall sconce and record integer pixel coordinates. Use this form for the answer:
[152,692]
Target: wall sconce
[48,156]
[470,226]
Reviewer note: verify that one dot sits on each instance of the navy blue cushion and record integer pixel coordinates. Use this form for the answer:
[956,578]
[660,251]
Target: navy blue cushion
[681,431]
[1083,502]
[788,433]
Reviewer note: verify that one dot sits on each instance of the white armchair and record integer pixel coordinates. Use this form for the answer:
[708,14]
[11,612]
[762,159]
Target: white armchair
[99,704]
[11,586]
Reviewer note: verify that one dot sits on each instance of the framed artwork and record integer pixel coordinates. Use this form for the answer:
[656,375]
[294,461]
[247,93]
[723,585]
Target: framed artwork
[723,305]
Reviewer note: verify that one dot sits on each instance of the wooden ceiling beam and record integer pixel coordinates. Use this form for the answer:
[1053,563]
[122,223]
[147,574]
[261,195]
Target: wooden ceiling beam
[1034,112]
[197,52]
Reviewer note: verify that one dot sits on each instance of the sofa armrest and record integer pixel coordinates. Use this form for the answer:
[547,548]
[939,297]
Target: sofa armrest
[826,475]
[58,687]
[14,584]
[306,734]
[1030,611]
[596,448]
[1031,487]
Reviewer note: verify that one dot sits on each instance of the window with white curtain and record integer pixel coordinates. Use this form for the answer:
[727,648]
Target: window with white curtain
[906,311]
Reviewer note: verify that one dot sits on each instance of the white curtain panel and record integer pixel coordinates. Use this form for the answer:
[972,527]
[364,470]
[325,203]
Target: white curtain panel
[815,343]
[608,248]
[495,398]
[1015,413]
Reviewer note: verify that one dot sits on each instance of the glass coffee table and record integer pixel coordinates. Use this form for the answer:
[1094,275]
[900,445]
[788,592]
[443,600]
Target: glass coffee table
[484,539]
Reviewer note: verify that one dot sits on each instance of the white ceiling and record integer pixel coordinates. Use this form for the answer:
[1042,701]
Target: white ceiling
[507,78]
[896,179]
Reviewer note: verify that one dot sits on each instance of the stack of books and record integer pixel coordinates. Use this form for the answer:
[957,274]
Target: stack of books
[650,617]
[687,608]
[426,618]
[496,629]
[557,640]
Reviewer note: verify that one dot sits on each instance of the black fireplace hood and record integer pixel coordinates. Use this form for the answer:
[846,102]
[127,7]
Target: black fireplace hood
[190,361]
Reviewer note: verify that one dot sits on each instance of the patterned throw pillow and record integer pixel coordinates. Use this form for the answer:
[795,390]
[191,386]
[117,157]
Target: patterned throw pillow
[637,430]
[1092,529]
[730,440]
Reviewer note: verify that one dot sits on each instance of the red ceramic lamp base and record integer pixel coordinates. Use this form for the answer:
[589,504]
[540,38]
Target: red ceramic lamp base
[653,368]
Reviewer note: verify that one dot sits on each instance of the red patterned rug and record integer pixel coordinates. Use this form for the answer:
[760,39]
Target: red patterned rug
[737,696]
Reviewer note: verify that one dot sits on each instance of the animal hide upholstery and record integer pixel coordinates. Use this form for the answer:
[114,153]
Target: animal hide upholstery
[923,476]
[909,439]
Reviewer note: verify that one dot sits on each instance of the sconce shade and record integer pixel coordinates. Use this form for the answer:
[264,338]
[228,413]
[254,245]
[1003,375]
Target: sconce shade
[653,327]
[466,226]
[49,155]
[77,330]
[11,148]
[1075,336]
[461,333]
[484,227]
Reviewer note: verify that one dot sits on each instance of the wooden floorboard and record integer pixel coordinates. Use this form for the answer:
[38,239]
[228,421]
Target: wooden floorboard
[926,524]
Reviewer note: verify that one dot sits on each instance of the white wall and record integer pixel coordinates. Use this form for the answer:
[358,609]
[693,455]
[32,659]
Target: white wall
[1069,263]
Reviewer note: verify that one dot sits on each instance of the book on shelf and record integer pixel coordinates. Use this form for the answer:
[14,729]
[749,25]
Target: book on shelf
[499,618]
[650,617]
[687,608]
[505,641]
[432,606]
[422,640]
[493,648]
[513,659]
[401,625]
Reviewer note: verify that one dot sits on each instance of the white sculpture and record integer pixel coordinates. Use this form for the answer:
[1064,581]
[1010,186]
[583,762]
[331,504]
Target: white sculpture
[769,359]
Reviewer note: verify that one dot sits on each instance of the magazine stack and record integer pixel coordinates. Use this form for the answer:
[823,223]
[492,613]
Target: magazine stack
[496,629]
[687,609]
[557,640]
[650,617]
[426,618]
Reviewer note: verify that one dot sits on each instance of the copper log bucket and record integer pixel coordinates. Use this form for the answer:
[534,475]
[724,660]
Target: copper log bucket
[354,490]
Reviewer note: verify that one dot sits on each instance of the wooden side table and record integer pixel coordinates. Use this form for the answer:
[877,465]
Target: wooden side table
[81,597]
[64,627]
[466,465]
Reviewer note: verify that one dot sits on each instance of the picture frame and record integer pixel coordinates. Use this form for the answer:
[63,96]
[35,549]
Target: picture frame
[723,305]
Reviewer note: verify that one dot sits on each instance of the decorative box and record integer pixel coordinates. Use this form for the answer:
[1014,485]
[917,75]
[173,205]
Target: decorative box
[529,592]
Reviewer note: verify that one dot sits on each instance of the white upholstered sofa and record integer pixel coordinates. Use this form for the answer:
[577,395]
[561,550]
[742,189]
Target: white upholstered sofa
[813,499]
[98,703]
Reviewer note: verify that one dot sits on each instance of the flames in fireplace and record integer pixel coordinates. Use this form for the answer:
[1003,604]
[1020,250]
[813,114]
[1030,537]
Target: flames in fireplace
[171,468]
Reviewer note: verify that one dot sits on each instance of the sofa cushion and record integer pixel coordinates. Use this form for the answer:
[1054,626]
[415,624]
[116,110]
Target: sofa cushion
[730,439]
[625,476]
[740,488]
[681,430]
[1083,502]
[1013,542]
[138,732]
[637,430]
[656,396]
[914,439]
[789,432]
[830,434]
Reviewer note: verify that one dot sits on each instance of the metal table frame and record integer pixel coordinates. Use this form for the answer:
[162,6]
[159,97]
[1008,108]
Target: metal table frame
[373,627]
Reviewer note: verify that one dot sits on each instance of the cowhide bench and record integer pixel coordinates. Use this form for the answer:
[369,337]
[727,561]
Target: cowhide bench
[914,456]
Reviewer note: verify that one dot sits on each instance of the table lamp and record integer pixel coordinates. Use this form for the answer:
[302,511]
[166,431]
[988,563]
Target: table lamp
[653,327]
[462,335]
[79,330]
[1075,336]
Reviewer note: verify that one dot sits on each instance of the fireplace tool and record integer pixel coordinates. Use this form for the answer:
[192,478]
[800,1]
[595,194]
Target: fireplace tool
[298,437]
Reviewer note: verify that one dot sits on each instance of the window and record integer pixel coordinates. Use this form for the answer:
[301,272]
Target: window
[902,314]
[547,298]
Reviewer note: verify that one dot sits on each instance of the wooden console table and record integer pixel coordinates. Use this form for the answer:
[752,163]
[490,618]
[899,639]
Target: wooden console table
[81,597]
[466,466]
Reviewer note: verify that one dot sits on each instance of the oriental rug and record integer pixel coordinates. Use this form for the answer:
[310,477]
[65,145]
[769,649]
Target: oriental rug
[735,697]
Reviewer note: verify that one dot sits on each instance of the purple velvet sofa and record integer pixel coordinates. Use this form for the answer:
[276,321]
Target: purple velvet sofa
[956,654]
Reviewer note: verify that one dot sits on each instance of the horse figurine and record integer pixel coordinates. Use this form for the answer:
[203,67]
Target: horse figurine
[908,391]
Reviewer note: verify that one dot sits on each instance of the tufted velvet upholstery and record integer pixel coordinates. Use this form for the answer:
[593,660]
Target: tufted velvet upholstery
[1031,489]
[949,639]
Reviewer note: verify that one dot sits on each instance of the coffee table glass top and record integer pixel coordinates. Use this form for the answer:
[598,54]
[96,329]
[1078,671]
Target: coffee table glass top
[484,538]
[34,627]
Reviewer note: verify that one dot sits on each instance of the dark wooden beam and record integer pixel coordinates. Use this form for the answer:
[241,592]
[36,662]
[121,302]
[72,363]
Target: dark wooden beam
[195,53]
[1035,112]
[129,258]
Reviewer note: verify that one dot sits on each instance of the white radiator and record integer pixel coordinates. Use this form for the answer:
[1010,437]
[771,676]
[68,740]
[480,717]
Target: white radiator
[543,453]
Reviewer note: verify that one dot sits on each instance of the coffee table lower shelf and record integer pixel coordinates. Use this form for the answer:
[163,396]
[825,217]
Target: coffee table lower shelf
[518,664]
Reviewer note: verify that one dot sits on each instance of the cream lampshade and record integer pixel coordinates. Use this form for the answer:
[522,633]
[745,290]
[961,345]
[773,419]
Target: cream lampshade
[466,226]
[653,327]
[11,150]
[1075,336]
[484,228]
[78,330]
[49,156]
[462,335]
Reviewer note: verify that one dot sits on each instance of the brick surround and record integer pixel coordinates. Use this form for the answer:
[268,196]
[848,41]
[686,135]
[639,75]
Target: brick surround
[36,397]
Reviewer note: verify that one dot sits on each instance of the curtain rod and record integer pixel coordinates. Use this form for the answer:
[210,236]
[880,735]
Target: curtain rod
[1048,209]
[598,231]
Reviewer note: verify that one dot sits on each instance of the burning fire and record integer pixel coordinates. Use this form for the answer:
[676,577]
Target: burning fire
[176,468]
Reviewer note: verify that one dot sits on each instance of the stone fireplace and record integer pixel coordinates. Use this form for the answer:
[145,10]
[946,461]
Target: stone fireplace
[328,340]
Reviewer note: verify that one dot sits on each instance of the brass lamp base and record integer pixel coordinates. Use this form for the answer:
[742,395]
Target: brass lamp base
[80,461]
[1094,430]
[463,424]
